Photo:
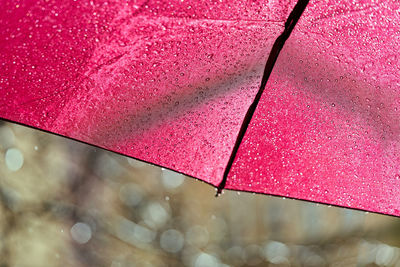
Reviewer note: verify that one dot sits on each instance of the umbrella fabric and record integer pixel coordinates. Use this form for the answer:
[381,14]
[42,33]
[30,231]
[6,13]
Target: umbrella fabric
[168,82]
[327,127]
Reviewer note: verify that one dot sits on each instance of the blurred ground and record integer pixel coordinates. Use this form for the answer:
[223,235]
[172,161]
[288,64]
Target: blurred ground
[63,203]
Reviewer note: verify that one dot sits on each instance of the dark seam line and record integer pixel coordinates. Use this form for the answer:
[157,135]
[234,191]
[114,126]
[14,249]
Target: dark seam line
[273,56]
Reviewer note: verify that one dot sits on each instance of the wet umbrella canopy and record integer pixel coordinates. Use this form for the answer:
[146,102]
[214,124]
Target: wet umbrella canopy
[171,82]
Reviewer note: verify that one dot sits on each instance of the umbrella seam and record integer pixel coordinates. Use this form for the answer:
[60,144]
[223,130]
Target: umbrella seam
[290,23]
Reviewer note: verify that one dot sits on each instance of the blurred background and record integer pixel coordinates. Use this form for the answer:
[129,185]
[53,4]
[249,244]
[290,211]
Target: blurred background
[64,203]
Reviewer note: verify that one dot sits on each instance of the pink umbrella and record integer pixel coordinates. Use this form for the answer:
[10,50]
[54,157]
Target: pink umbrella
[177,84]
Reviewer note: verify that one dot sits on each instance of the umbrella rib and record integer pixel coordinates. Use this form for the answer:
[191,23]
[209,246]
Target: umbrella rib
[273,56]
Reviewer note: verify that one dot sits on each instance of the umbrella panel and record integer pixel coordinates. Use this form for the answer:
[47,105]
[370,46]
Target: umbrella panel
[167,83]
[327,128]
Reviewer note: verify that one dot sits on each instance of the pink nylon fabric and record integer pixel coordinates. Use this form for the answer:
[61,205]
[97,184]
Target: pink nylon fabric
[327,128]
[167,82]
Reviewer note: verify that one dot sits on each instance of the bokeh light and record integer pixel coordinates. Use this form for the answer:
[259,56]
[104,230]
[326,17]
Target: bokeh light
[64,203]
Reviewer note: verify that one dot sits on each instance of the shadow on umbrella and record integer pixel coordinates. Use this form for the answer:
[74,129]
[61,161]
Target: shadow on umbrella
[335,85]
